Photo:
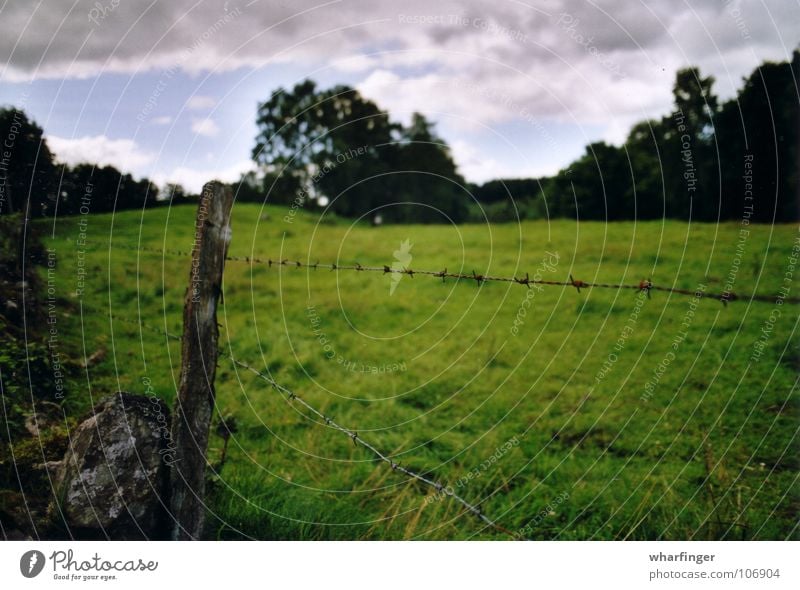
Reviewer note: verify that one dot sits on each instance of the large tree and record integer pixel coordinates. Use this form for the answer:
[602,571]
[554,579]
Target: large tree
[646,189]
[321,143]
[760,127]
[338,145]
[601,181]
[687,149]
[426,178]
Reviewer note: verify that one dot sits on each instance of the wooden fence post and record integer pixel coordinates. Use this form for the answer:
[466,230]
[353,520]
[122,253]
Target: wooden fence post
[192,415]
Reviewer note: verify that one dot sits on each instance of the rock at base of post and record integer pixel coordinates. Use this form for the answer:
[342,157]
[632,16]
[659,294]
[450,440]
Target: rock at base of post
[112,482]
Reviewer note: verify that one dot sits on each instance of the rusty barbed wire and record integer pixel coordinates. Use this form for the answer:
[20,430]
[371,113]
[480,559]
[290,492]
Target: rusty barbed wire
[357,439]
[96,311]
[645,285]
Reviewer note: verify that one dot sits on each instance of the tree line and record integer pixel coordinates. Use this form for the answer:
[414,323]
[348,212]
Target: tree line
[35,184]
[706,160]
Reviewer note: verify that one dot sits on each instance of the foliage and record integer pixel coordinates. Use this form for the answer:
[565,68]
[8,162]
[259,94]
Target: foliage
[25,370]
[338,145]
[88,188]
[33,183]
[691,163]
[27,172]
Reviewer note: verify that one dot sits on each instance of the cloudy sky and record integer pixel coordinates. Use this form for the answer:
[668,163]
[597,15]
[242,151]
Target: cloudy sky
[168,89]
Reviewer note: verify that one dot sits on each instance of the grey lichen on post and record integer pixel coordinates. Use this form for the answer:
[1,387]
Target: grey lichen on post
[193,407]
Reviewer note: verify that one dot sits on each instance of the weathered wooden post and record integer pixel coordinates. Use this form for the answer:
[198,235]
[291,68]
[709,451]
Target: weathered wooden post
[192,415]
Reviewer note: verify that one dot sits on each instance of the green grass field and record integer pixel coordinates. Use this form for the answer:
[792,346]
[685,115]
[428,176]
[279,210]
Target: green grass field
[440,375]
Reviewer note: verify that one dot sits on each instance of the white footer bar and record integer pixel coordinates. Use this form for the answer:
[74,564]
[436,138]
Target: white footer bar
[399,565]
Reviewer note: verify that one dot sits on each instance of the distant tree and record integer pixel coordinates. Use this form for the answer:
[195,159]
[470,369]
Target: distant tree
[518,189]
[687,149]
[337,144]
[645,193]
[322,142]
[95,189]
[248,189]
[601,180]
[28,175]
[135,194]
[694,97]
[175,192]
[761,125]
[426,176]
[665,168]
[281,188]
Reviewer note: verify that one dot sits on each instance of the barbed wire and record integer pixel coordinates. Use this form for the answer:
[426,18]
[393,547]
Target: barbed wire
[357,439]
[645,285]
[139,323]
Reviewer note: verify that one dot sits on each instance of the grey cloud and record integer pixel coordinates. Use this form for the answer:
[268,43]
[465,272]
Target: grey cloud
[617,60]
[141,35]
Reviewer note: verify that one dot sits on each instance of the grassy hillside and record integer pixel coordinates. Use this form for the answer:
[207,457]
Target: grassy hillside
[441,376]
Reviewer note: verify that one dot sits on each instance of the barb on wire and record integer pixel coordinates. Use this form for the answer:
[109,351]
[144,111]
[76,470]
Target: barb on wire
[645,285]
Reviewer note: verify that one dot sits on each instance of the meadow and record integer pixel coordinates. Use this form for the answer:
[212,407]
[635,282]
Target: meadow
[599,414]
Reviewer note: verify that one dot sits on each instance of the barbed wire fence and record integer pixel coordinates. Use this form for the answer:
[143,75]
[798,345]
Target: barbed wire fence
[292,397]
[645,285]
[209,257]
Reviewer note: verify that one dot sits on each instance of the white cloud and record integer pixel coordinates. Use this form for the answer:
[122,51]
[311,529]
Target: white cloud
[193,179]
[127,156]
[162,120]
[478,166]
[206,127]
[473,166]
[469,103]
[201,103]
[123,154]
[355,63]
